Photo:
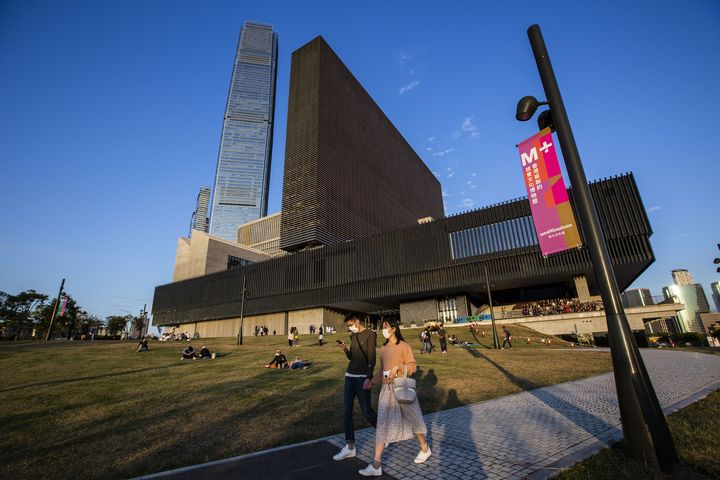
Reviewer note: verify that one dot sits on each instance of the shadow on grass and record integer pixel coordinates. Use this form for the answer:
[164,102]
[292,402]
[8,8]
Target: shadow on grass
[106,375]
[576,414]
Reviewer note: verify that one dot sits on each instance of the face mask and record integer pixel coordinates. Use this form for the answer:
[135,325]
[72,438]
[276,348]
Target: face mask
[386,333]
[354,329]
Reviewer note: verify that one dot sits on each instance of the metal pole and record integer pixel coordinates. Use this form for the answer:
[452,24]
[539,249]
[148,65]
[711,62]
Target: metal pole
[52,317]
[496,340]
[644,427]
[242,312]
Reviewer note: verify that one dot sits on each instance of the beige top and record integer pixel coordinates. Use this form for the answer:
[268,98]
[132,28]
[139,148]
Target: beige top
[392,355]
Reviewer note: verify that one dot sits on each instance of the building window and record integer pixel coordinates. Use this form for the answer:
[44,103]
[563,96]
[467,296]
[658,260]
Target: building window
[236,262]
[447,310]
[493,238]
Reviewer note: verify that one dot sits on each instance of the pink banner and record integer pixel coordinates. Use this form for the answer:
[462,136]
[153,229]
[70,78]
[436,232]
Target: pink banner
[553,217]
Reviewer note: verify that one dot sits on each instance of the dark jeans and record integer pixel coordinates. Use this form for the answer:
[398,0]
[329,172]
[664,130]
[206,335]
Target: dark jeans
[507,339]
[354,388]
[443,345]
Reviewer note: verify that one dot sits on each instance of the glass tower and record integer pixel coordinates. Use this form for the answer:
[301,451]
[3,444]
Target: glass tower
[243,170]
[200,215]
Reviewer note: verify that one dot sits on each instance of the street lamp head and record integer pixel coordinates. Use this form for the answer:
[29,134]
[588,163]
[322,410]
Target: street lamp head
[526,108]
[545,120]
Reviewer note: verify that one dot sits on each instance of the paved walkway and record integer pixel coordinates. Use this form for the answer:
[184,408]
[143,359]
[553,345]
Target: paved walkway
[527,435]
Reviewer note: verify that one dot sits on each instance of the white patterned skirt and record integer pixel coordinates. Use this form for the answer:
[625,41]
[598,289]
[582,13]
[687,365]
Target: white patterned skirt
[396,422]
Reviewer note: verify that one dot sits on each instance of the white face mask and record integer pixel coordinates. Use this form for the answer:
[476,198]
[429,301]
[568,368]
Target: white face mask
[386,332]
[354,329]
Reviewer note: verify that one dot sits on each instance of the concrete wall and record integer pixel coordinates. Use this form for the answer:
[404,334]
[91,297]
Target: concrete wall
[593,322]
[581,289]
[214,328]
[273,321]
[302,319]
[280,322]
[418,311]
[202,254]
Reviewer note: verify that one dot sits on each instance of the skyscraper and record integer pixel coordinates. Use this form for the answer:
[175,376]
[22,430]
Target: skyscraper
[682,277]
[715,287]
[349,173]
[692,296]
[243,169]
[200,215]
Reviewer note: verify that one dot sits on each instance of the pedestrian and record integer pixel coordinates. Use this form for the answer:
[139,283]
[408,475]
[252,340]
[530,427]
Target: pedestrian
[506,332]
[395,422]
[290,337]
[358,379]
[296,337]
[320,338]
[442,335]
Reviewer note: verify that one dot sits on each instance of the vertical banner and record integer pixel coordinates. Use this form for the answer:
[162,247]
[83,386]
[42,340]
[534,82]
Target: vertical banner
[63,304]
[555,223]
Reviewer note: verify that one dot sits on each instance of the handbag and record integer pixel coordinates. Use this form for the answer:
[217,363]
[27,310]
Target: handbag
[404,388]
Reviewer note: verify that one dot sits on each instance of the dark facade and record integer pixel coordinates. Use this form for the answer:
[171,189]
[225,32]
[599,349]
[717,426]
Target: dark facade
[349,173]
[444,257]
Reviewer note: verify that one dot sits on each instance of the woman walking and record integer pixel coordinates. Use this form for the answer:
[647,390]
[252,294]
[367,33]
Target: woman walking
[395,421]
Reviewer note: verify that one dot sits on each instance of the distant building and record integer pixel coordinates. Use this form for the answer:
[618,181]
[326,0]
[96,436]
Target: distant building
[242,177]
[695,301]
[638,297]
[682,277]
[349,173]
[200,215]
[262,234]
[710,321]
[715,287]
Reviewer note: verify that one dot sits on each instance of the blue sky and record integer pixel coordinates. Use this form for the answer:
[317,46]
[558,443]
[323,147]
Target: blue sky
[111,112]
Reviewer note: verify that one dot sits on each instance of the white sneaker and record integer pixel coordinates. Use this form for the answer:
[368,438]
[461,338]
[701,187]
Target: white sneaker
[422,456]
[370,471]
[344,453]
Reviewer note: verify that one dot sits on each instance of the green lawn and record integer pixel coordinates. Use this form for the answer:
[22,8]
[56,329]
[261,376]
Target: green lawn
[102,410]
[696,430]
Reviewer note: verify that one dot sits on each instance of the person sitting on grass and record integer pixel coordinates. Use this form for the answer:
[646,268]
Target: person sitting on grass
[453,339]
[278,361]
[299,364]
[205,353]
[143,346]
[188,353]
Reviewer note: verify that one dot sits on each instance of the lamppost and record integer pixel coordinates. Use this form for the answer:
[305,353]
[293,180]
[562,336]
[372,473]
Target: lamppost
[496,340]
[644,427]
[242,313]
[54,312]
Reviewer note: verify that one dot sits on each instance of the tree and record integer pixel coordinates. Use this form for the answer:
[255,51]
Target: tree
[117,323]
[16,310]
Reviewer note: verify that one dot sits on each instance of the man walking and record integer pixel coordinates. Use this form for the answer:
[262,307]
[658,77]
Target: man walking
[506,332]
[442,335]
[358,376]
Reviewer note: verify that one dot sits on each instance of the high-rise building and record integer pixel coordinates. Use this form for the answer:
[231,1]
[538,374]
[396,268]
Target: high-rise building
[682,277]
[692,296]
[637,297]
[242,177]
[200,215]
[715,287]
[349,173]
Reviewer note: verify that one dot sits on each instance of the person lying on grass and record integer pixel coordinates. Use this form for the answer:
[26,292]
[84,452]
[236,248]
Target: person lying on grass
[299,364]
[278,361]
[205,353]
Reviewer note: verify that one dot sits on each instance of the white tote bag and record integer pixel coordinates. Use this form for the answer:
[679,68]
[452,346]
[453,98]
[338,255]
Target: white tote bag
[404,388]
